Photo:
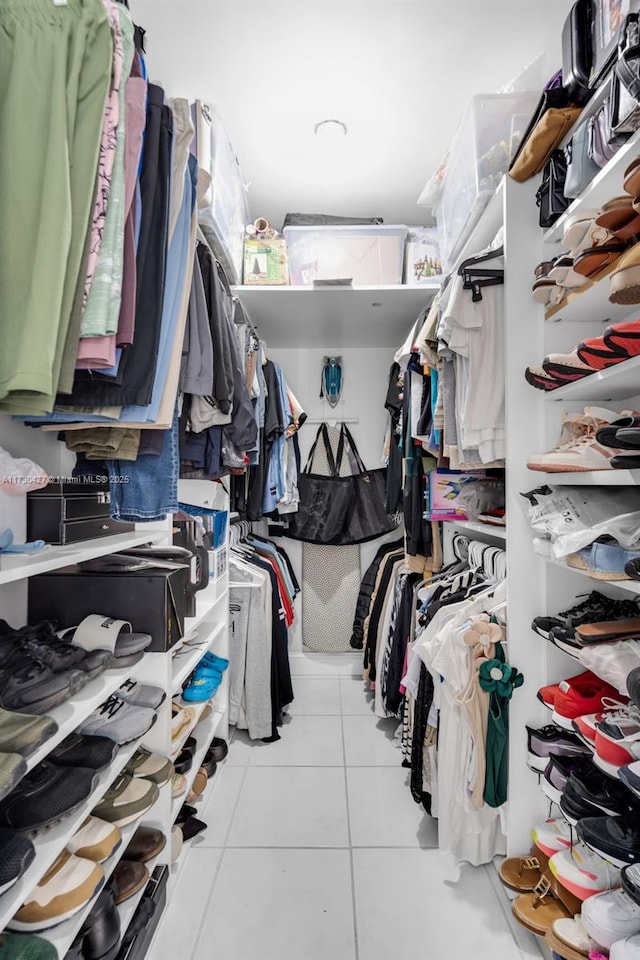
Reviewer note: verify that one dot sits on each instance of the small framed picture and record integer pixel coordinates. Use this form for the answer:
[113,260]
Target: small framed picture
[609,18]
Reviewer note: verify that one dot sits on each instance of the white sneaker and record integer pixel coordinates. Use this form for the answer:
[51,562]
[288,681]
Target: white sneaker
[583,872]
[610,916]
[573,428]
[627,949]
[552,836]
[577,449]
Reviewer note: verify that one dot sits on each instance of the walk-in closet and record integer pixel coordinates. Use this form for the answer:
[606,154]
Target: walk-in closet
[319,469]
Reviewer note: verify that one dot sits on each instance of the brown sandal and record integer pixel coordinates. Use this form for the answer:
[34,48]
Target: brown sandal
[549,901]
[620,217]
[591,262]
[562,949]
[521,873]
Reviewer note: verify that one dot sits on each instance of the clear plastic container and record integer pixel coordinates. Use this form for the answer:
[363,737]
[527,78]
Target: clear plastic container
[223,204]
[369,255]
[481,150]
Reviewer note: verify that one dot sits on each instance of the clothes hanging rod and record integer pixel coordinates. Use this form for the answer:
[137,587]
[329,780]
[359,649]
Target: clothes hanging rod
[332,420]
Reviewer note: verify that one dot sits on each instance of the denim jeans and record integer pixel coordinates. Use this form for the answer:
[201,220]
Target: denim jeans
[146,488]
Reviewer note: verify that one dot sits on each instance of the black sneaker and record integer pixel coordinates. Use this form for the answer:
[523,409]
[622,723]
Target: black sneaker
[596,606]
[28,685]
[593,793]
[557,773]
[17,853]
[564,638]
[631,882]
[47,794]
[79,750]
[43,643]
[617,839]
[543,741]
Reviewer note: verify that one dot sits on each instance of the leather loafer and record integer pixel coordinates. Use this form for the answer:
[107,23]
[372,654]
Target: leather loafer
[209,764]
[128,878]
[145,844]
[183,762]
[99,937]
[218,749]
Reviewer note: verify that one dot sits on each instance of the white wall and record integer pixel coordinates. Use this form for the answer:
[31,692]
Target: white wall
[366,373]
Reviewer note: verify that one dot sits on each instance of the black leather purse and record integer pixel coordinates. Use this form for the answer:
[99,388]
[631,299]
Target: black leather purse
[550,196]
[625,81]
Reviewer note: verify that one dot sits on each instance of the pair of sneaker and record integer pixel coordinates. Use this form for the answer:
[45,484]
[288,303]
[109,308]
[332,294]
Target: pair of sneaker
[599,439]
[619,342]
[205,680]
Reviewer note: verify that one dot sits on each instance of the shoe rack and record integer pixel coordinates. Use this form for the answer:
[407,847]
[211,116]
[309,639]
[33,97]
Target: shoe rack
[539,585]
[168,671]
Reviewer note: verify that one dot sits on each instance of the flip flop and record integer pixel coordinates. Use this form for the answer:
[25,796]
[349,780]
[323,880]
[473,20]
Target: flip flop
[550,901]
[99,632]
[521,873]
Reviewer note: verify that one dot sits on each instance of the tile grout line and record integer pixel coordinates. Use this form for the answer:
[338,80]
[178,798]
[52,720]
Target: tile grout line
[220,861]
[354,913]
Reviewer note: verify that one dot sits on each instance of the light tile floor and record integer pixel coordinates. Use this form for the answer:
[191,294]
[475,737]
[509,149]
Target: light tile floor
[315,851]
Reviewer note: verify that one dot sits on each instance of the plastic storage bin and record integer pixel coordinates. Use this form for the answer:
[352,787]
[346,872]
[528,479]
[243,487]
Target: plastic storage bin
[223,203]
[479,156]
[369,255]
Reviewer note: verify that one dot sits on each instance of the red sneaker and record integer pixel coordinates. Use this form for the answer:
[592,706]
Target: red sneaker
[576,701]
[547,695]
[619,342]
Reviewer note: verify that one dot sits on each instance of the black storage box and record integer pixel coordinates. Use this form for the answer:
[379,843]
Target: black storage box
[153,601]
[137,937]
[70,512]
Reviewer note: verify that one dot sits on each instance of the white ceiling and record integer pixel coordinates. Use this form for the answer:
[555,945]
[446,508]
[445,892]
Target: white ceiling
[397,73]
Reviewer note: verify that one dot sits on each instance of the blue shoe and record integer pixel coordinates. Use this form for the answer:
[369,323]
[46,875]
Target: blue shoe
[211,660]
[603,561]
[203,685]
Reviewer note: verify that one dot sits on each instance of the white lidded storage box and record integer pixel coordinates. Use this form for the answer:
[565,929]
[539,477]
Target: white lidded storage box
[479,156]
[369,255]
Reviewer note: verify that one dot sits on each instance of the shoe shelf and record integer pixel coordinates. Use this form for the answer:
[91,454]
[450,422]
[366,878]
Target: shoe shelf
[190,654]
[605,185]
[70,714]
[20,566]
[63,935]
[628,586]
[204,733]
[615,383]
[49,843]
[129,907]
[593,478]
[590,303]
[489,530]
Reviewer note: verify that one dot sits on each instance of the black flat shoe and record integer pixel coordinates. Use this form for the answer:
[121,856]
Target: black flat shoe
[192,827]
[183,762]
[219,749]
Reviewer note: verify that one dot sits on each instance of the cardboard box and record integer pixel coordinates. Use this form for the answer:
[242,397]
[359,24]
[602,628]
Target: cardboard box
[153,600]
[443,491]
[265,263]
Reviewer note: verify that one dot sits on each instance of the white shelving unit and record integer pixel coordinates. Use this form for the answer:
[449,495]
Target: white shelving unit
[162,669]
[306,317]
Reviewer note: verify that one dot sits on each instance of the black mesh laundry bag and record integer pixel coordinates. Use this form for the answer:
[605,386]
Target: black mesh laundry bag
[340,510]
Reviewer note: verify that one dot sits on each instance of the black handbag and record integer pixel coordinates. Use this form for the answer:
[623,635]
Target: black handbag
[550,196]
[340,511]
[577,52]
[625,81]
